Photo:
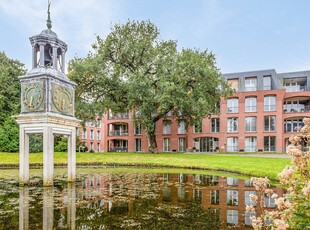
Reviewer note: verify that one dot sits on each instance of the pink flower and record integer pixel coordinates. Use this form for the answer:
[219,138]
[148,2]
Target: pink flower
[280,224]
[306,190]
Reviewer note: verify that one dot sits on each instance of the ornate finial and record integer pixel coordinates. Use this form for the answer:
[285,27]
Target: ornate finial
[48,21]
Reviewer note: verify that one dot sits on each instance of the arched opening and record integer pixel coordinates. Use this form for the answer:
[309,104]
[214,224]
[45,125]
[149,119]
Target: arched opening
[48,55]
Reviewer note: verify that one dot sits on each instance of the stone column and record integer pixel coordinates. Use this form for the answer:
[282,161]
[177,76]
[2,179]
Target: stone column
[63,62]
[23,156]
[34,57]
[24,208]
[72,155]
[55,57]
[48,208]
[48,156]
[71,205]
[41,55]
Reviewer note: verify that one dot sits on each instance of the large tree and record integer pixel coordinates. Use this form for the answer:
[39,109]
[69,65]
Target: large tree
[134,69]
[10,70]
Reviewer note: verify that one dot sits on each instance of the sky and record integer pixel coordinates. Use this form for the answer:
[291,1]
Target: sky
[244,35]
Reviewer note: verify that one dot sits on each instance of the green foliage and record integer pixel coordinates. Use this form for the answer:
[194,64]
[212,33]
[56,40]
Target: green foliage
[61,144]
[36,143]
[9,136]
[133,69]
[10,70]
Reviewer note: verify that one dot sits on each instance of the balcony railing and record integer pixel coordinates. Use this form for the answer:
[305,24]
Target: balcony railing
[118,149]
[250,108]
[269,107]
[118,133]
[118,116]
[233,109]
[250,88]
[295,88]
[296,109]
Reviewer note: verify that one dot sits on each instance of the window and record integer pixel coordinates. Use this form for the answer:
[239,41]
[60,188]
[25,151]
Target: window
[198,128]
[215,125]
[250,144]
[232,217]
[167,127]
[84,134]
[250,84]
[248,183]
[232,197]
[92,124]
[250,124]
[138,145]
[182,146]
[98,135]
[232,105]
[92,134]
[292,125]
[268,201]
[295,84]
[232,181]
[270,123]
[166,145]
[98,124]
[197,194]
[91,146]
[250,104]
[138,129]
[215,196]
[98,147]
[296,106]
[267,83]
[232,125]
[270,103]
[181,127]
[234,84]
[270,144]
[248,216]
[247,199]
[232,144]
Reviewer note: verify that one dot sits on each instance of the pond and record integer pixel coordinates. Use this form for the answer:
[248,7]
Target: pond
[128,198]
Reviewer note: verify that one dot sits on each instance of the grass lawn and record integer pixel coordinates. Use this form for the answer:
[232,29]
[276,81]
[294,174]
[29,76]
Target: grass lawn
[254,166]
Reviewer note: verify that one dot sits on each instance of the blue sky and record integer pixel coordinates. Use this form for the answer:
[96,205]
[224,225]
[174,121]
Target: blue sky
[244,35]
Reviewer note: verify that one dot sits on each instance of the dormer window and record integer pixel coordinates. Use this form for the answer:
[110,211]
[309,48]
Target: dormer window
[250,84]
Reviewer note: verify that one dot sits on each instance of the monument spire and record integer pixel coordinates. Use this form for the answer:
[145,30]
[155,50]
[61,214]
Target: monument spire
[48,21]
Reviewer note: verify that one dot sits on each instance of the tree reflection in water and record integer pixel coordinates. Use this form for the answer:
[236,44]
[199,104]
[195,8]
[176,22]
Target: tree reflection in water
[129,201]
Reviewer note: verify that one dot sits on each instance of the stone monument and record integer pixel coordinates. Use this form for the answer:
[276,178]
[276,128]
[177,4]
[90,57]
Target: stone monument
[47,104]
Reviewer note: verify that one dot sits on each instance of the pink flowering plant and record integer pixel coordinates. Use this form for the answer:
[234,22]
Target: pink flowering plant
[293,210]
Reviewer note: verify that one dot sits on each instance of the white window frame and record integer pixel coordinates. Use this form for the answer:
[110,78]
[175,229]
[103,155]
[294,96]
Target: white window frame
[268,103]
[268,127]
[250,104]
[250,84]
[166,145]
[250,144]
[232,124]
[250,124]
[234,144]
[215,125]
[232,105]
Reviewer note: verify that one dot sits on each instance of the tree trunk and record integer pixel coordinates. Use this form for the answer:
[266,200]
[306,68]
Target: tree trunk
[151,139]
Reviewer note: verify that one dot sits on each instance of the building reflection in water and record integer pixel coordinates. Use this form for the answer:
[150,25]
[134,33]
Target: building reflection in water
[105,197]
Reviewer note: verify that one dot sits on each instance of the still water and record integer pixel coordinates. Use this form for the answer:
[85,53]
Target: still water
[128,199]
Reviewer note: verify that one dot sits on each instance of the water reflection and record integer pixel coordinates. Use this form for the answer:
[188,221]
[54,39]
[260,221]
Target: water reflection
[133,200]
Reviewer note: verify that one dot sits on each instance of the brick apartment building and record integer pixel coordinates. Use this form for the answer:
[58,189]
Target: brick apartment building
[267,108]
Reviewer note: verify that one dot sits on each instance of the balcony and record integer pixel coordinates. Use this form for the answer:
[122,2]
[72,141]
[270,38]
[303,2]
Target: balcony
[118,149]
[118,116]
[297,105]
[297,109]
[295,84]
[118,133]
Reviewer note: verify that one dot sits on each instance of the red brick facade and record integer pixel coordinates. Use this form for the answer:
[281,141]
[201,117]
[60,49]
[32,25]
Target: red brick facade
[262,126]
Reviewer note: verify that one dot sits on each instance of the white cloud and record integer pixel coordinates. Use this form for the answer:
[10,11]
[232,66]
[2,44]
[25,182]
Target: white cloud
[75,22]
